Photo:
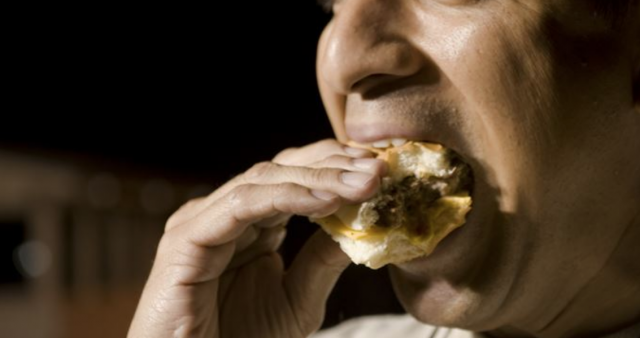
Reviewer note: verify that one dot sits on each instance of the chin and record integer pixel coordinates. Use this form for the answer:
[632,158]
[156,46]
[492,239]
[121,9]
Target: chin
[465,281]
[436,302]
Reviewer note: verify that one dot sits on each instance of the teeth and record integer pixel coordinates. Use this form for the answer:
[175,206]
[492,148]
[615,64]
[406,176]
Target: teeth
[397,142]
[381,144]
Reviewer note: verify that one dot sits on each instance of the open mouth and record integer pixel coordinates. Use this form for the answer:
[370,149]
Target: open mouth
[425,196]
[413,193]
[413,200]
[403,201]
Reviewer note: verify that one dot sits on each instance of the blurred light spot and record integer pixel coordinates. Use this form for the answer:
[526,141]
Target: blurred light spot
[157,196]
[104,191]
[33,258]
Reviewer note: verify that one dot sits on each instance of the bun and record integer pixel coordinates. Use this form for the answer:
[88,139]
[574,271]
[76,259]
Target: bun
[424,198]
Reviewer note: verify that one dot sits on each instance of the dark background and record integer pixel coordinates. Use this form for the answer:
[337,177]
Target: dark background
[172,87]
[183,91]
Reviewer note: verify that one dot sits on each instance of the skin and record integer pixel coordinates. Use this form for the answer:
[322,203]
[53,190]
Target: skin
[538,96]
[214,249]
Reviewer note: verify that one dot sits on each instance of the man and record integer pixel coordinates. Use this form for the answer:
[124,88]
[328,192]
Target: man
[540,96]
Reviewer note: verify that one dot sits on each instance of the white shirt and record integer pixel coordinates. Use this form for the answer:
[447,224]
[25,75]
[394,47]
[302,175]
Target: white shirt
[405,326]
[391,326]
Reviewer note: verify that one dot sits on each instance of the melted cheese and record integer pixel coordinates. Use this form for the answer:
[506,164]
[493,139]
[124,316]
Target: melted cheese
[447,211]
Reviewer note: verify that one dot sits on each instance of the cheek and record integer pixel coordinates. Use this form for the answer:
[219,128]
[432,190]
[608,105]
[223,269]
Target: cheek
[500,74]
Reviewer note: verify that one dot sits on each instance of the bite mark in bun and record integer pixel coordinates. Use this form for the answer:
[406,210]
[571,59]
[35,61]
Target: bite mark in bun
[423,199]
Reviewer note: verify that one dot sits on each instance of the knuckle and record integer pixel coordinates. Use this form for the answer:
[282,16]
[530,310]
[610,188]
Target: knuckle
[174,219]
[282,155]
[327,142]
[191,203]
[288,187]
[240,194]
[326,145]
[320,176]
[260,170]
[323,177]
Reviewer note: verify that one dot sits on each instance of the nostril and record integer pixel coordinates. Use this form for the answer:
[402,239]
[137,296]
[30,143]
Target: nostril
[364,85]
[381,85]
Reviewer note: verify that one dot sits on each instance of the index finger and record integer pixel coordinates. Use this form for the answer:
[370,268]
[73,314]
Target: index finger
[226,219]
[318,151]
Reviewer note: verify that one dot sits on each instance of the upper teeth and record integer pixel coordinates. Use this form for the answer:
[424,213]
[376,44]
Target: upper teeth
[396,142]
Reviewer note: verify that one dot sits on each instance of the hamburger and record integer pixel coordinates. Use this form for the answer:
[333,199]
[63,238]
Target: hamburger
[425,196]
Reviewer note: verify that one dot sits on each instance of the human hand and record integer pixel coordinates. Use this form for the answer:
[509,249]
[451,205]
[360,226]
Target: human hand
[217,273]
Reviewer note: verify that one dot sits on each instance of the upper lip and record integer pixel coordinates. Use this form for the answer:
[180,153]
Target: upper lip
[418,113]
[424,113]
[370,133]
[451,139]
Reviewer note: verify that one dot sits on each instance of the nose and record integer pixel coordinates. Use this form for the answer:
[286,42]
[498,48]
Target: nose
[365,45]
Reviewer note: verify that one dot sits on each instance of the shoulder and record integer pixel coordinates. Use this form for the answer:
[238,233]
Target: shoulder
[383,326]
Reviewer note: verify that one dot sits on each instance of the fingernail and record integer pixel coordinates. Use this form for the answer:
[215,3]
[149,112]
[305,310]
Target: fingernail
[364,163]
[356,180]
[323,195]
[357,152]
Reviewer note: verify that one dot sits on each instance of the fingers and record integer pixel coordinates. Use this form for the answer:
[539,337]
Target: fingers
[369,165]
[279,220]
[351,185]
[255,234]
[312,276]
[326,153]
[248,237]
[263,198]
[225,220]
[185,212]
[317,151]
[268,241]
[202,248]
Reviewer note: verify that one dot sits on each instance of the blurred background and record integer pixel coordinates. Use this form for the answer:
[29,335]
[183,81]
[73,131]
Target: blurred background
[112,117]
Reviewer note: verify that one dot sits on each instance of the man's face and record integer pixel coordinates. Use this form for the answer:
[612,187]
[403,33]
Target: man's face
[537,96]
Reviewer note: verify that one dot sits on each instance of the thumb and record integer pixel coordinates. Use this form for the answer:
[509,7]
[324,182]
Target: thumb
[312,276]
